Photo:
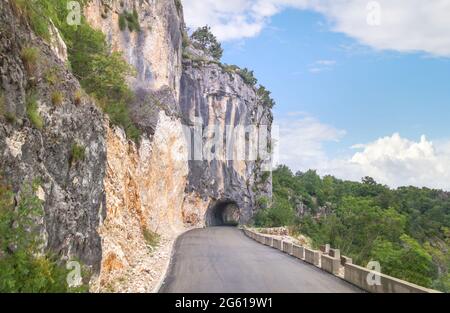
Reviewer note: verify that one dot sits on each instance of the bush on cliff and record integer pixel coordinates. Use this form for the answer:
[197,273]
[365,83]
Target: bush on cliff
[23,265]
[204,39]
[101,73]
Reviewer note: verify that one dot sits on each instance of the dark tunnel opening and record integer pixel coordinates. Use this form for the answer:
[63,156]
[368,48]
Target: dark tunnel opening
[223,213]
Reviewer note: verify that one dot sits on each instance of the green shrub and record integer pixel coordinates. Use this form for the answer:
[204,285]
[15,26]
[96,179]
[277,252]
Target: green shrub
[35,14]
[32,111]
[230,69]
[77,154]
[24,268]
[29,57]
[248,76]
[264,97]
[130,19]
[51,76]
[204,39]
[122,22]
[263,203]
[265,176]
[186,39]
[101,74]
[78,97]
[57,98]
[151,238]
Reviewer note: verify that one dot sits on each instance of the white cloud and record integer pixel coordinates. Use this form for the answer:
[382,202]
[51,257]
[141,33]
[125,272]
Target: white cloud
[391,160]
[397,161]
[405,25]
[321,66]
[301,141]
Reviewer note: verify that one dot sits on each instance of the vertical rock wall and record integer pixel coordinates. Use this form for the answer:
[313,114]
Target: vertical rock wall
[72,190]
[155,51]
[101,209]
[218,99]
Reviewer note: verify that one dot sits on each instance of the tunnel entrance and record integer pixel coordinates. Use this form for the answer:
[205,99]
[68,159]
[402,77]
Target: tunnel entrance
[223,213]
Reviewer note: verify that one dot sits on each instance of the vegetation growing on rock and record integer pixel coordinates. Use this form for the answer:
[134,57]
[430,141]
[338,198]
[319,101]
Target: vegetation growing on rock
[77,153]
[101,73]
[30,57]
[32,110]
[24,268]
[130,20]
[57,98]
[205,40]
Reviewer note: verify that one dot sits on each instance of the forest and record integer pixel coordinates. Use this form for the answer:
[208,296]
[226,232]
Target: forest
[406,229]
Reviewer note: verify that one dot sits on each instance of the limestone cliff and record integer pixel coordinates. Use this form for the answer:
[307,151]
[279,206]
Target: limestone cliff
[43,150]
[104,209]
[222,101]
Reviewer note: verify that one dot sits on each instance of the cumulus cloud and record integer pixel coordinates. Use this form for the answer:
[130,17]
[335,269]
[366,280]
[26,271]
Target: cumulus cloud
[397,161]
[401,25]
[301,141]
[391,160]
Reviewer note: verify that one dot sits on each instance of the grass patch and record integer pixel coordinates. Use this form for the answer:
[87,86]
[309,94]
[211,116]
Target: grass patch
[78,97]
[77,154]
[51,76]
[29,56]
[32,111]
[151,238]
[57,98]
[33,12]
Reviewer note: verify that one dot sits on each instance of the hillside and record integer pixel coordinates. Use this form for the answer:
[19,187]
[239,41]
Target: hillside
[406,229]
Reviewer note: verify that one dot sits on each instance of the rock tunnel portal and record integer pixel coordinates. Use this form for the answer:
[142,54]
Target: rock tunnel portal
[223,213]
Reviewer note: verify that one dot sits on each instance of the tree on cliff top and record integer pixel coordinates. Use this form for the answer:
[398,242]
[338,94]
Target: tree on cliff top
[204,39]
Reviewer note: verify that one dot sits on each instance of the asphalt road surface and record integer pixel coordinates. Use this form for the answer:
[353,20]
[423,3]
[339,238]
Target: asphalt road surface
[224,260]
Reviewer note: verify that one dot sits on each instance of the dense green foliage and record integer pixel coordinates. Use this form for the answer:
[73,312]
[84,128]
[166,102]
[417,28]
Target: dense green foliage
[407,230]
[130,20]
[264,96]
[23,266]
[204,39]
[248,76]
[101,73]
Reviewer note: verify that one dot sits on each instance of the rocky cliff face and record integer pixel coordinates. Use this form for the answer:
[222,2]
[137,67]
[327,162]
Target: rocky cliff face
[101,209]
[219,102]
[72,190]
[155,50]
[144,183]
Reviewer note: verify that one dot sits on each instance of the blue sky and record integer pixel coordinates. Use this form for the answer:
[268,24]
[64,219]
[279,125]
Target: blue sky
[367,93]
[349,102]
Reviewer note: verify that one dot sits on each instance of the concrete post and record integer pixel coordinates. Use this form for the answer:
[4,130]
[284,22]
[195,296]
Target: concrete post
[298,252]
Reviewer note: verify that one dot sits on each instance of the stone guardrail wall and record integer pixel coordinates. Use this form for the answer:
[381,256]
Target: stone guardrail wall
[357,275]
[277,244]
[331,261]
